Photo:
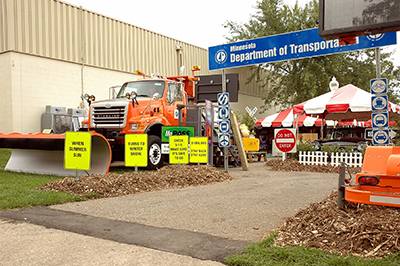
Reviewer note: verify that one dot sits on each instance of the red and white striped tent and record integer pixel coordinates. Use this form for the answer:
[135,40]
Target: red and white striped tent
[286,119]
[347,102]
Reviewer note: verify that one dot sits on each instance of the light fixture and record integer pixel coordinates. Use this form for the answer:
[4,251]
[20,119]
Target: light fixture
[333,85]
[178,47]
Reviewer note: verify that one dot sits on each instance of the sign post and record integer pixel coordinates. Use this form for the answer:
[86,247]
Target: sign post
[224,139]
[285,141]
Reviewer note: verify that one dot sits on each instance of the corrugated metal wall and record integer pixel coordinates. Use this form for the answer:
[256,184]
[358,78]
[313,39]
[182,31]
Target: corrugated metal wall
[59,30]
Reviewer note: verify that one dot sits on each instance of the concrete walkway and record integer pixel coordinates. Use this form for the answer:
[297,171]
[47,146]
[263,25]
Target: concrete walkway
[191,226]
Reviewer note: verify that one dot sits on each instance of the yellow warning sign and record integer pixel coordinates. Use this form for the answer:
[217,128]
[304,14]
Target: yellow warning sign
[178,150]
[198,149]
[136,150]
[251,144]
[77,150]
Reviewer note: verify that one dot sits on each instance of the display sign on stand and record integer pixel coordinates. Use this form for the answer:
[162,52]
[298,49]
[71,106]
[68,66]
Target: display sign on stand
[285,141]
[77,151]
[136,150]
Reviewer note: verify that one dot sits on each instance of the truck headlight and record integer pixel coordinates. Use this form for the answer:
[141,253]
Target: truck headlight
[138,126]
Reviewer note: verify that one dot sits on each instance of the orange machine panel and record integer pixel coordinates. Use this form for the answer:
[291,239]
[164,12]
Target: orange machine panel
[376,159]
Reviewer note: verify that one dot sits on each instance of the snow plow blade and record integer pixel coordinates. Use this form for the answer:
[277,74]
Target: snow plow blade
[44,154]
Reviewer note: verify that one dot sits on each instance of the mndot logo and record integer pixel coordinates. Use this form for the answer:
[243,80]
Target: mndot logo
[375,37]
[221,56]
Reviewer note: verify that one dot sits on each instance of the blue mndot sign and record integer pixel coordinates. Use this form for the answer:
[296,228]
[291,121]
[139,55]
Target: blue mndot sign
[224,140]
[379,103]
[380,120]
[378,86]
[380,137]
[223,112]
[224,126]
[223,99]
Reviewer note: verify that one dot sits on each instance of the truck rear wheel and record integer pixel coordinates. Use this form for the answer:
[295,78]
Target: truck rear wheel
[155,157]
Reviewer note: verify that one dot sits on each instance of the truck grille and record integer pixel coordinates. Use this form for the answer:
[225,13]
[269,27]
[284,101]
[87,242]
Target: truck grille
[108,117]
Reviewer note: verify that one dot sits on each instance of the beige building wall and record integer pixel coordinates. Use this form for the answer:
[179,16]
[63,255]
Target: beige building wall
[6,111]
[32,82]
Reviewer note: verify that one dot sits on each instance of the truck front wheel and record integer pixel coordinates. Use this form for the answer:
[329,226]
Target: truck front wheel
[155,157]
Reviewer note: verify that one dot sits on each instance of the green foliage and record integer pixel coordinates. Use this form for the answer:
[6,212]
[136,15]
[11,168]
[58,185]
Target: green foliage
[330,148]
[246,119]
[264,254]
[336,148]
[291,82]
[303,146]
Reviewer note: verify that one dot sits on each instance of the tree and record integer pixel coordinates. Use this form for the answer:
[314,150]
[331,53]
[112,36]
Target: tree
[292,82]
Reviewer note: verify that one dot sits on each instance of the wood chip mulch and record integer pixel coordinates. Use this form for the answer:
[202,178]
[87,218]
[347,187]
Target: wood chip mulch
[358,229]
[112,184]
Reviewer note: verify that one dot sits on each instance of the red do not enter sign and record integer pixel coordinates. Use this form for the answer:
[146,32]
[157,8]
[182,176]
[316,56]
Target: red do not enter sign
[285,140]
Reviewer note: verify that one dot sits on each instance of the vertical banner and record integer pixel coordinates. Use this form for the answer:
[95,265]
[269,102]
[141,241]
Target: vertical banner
[178,150]
[77,150]
[198,149]
[136,150]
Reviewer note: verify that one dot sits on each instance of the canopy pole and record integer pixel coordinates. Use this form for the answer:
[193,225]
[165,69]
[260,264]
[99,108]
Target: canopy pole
[322,126]
[296,120]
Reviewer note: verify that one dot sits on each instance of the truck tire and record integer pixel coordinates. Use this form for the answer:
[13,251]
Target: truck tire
[155,158]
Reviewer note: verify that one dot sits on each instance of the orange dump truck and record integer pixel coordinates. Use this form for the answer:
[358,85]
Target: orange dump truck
[379,180]
[141,106]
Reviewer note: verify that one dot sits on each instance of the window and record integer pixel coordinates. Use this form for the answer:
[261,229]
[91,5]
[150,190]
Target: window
[174,92]
[142,88]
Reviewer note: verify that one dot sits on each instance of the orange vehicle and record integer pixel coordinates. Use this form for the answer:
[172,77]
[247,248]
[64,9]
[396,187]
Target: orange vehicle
[141,106]
[379,180]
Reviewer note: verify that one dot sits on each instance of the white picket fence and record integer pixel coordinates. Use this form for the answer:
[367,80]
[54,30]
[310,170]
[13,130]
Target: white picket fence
[335,158]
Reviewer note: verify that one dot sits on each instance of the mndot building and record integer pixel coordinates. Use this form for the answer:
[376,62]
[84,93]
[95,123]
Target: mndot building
[51,52]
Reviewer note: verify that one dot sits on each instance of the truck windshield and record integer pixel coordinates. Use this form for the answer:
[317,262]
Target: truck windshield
[142,88]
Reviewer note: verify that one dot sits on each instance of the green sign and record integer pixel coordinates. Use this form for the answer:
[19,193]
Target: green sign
[167,132]
[77,150]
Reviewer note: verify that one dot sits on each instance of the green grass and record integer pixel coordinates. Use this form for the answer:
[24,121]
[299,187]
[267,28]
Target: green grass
[4,156]
[264,254]
[18,190]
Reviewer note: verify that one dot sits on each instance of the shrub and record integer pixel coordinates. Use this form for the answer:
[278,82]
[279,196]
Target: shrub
[303,146]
